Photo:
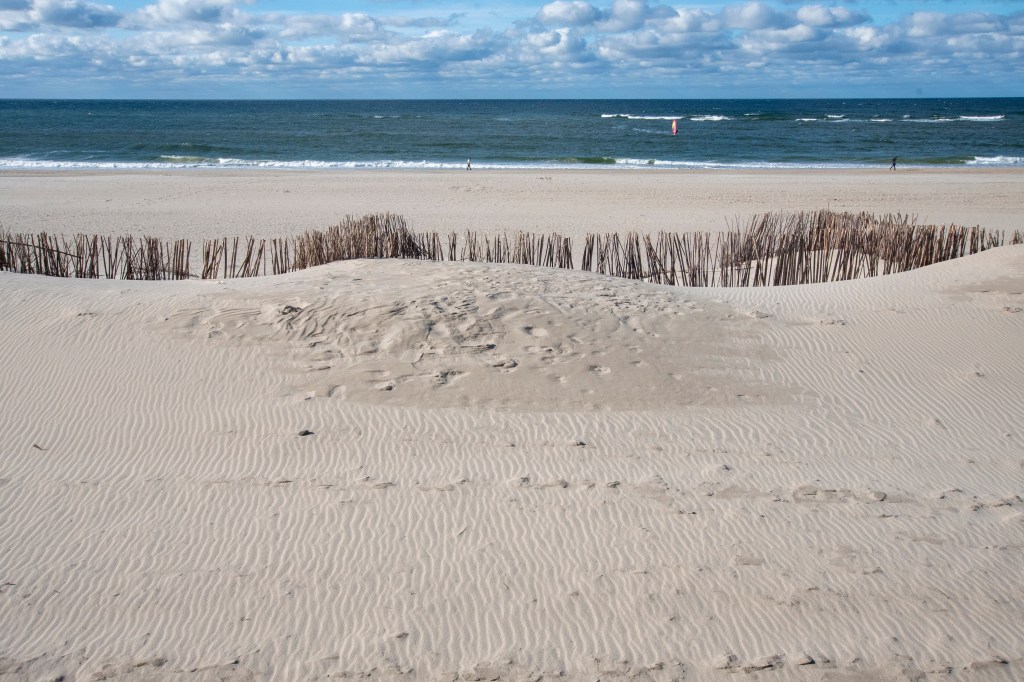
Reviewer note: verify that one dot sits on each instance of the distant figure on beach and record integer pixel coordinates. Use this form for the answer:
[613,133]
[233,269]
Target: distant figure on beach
[469,164]
[893,166]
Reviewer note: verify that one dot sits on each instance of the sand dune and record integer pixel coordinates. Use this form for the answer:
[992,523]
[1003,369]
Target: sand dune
[513,473]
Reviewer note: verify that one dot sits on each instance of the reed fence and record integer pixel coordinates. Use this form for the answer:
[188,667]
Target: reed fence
[772,249]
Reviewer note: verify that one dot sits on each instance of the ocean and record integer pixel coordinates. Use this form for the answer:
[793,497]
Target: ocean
[637,134]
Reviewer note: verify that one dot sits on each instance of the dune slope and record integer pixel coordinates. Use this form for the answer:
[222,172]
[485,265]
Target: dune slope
[380,468]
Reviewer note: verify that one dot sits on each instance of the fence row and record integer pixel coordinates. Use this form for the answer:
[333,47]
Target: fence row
[773,249]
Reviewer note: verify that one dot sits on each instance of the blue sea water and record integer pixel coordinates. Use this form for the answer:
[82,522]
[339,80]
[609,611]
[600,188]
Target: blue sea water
[61,134]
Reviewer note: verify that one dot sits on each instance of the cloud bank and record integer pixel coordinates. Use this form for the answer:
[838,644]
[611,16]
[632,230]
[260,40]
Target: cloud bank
[564,48]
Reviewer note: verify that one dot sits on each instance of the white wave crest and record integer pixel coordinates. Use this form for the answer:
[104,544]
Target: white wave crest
[636,117]
[1000,117]
[996,161]
[172,162]
[711,117]
[18,163]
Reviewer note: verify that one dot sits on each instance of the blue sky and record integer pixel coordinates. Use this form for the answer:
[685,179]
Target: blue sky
[511,48]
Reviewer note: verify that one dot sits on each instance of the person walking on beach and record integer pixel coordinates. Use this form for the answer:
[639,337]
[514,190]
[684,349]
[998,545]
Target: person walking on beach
[893,166]
[469,164]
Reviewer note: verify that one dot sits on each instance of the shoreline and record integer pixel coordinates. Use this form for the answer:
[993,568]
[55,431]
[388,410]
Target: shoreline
[210,203]
[461,167]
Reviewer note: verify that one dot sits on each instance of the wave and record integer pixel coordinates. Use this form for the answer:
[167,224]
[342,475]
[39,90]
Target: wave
[836,118]
[843,119]
[571,162]
[996,161]
[183,162]
[637,117]
[587,160]
[177,158]
[700,118]
[951,119]
[738,165]
[906,118]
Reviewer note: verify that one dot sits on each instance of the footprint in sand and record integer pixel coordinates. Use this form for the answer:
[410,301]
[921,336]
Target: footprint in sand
[444,377]
[505,365]
[538,332]
[600,369]
[501,296]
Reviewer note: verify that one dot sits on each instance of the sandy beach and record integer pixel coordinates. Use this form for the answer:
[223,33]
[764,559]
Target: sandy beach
[417,470]
[200,204]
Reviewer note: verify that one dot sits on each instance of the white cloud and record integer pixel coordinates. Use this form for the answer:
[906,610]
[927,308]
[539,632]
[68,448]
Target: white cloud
[436,47]
[691,20]
[629,15]
[23,16]
[868,38]
[75,14]
[603,44]
[16,21]
[818,15]
[561,45]
[171,11]
[568,13]
[925,24]
[936,24]
[353,24]
[753,16]
[623,15]
[778,40]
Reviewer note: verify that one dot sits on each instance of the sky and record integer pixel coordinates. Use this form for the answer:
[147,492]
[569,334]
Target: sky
[444,49]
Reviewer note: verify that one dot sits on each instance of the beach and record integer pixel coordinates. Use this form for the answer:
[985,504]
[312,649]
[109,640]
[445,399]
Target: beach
[421,470]
[206,204]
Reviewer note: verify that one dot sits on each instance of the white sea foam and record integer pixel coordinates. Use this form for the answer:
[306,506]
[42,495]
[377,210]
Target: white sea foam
[199,163]
[636,117]
[711,117]
[740,165]
[835,116]
[996,161]
[172,162]
[982,118]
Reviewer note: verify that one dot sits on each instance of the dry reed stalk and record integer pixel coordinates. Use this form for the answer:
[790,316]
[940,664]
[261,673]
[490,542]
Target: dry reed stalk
[772,249]
[279,257]
[453,239]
